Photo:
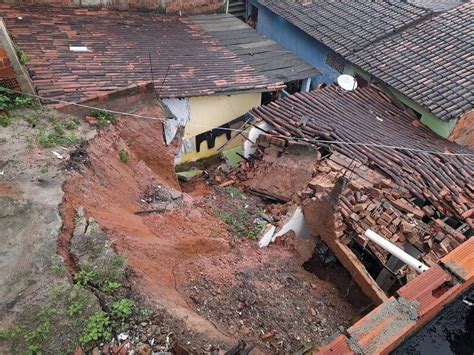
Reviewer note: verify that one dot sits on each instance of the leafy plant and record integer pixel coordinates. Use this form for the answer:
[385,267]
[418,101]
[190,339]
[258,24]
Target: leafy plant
[22,57]
[123,308]
[22,101]
[74,308]
[105,274]
[4,101]
[104,118]
[5,121]
[110,286]
[98,328]
[84,277]
[70,125]
[123,155]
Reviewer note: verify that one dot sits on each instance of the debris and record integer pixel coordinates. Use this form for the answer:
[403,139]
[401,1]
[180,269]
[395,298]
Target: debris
[57,155]
[227,183]
[143,349]
[189,175]
[267,336]
[122,336]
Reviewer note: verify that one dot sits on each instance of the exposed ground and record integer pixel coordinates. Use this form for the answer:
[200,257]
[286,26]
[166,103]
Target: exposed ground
[192,257]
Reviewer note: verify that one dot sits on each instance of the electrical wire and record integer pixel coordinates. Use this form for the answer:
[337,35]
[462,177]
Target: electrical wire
[334,142]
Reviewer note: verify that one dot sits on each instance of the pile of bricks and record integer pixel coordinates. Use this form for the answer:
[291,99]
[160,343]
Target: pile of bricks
[372,202]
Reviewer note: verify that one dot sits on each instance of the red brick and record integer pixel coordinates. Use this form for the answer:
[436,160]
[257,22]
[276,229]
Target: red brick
[338,346]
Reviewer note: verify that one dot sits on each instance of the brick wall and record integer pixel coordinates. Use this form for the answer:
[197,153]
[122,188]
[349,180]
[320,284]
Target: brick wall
[187,7]
[7,73]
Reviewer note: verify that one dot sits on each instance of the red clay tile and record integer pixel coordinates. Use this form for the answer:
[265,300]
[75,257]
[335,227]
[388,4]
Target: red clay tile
[124,48]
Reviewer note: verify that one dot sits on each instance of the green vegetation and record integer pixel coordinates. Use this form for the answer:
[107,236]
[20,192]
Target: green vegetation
[105,275]
[5,121]
[234,192]
[53,139]
[104,118]
[122,309]
[98,328]
[123,155]
[22,57]
[33,339]
[10,100]
[241,223]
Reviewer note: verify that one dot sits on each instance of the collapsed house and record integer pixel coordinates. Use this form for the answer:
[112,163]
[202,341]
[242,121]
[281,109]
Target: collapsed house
[207,83]
[363,163]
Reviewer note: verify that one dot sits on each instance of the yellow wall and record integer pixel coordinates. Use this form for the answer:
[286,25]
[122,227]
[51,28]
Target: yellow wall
[207,112]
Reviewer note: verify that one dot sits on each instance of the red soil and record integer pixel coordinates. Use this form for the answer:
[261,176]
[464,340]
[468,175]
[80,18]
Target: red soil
[168,252]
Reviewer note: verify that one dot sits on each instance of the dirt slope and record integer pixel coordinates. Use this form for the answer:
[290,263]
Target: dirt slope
[188,248]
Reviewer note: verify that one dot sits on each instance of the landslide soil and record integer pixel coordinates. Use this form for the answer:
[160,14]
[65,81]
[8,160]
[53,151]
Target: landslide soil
[185,259]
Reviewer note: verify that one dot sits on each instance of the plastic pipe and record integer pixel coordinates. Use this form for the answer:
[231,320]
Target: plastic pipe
[396,251]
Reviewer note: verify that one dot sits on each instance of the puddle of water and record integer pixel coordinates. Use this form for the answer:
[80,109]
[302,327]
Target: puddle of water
[451,332]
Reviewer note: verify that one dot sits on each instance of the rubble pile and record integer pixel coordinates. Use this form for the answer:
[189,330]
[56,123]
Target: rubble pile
[283,170]
[370,201]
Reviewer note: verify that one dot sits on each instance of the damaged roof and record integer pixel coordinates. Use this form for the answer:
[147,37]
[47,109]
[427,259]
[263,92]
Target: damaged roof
[115,49]
[367,116]
[347,26]
[261,53]
[432,63]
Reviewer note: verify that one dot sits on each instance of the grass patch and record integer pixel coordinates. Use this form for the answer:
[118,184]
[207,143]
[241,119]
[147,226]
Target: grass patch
[53,139]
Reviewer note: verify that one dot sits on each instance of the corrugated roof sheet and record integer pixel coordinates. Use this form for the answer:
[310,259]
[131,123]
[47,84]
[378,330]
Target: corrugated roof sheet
[367,116]
[432,63]
[125,48]
[261,53]
[347,26]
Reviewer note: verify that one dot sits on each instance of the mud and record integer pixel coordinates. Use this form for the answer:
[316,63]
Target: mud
[189,247]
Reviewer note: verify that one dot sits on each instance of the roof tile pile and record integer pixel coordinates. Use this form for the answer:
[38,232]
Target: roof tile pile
[347,26]
[368,117]
[261,53]
[124,48]
[431,63]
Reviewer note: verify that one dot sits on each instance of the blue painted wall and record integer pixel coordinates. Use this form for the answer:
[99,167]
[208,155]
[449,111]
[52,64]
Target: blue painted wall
[295,40]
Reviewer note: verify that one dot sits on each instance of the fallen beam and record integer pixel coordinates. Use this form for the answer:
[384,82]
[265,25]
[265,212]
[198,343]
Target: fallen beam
[319,212]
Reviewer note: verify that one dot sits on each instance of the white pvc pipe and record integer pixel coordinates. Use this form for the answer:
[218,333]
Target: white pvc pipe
[396,251]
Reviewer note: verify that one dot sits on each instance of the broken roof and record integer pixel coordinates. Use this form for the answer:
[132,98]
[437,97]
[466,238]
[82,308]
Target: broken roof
[347,26]
[123,48]
[430,63]
[366,116]
[263,54]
